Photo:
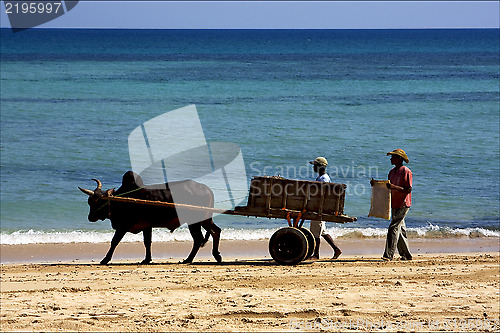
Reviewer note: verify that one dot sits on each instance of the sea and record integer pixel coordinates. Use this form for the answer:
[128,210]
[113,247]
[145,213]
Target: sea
[70,99]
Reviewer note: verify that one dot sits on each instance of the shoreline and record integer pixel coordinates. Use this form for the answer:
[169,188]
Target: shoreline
[234,249]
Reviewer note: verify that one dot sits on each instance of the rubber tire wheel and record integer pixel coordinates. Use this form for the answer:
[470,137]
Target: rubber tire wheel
[311,241]
[288,246]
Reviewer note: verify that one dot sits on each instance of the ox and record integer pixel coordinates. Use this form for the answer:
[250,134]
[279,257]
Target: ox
[131,217]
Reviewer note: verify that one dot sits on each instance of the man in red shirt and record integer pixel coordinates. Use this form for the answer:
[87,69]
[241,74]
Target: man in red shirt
[401,180]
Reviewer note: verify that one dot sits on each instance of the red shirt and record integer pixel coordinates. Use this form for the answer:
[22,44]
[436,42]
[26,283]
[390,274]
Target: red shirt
[402,177]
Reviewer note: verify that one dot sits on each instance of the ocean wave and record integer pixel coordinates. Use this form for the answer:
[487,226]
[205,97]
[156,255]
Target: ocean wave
[162,235]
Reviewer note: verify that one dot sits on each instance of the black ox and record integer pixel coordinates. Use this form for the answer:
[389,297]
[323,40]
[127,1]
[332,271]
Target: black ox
[132,217]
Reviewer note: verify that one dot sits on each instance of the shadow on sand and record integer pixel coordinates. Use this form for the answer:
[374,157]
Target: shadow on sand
[243,262]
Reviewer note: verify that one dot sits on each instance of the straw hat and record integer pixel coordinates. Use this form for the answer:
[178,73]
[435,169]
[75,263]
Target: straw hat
[320,161]
[401,153]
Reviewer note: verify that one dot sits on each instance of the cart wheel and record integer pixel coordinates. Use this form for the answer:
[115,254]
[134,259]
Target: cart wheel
[311,241]
[288,246]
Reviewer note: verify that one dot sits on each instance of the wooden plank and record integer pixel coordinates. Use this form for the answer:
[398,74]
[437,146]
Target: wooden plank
[306,198]
[283,202]
[251,199]
[340,203]
[282,213]
[269,194]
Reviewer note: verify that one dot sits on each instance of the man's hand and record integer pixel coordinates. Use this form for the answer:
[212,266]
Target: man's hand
[398,188]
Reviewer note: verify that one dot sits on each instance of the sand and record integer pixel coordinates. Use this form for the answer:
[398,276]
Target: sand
[358,292]
[249,249]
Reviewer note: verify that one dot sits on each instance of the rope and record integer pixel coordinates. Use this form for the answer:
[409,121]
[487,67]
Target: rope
[137,189]
[119,195]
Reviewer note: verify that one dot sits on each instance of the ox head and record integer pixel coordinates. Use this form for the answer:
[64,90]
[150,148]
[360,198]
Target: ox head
[98,202]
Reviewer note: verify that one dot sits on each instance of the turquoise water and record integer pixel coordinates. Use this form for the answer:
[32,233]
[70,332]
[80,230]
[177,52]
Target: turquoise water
[70,98]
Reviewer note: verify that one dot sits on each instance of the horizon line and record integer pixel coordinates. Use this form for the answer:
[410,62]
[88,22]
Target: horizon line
[118,28]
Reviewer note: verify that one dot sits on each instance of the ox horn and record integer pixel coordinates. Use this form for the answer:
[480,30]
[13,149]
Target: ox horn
[99,184]
[87,192]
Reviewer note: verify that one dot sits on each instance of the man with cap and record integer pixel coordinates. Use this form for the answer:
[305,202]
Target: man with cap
[400,184]
[318,227]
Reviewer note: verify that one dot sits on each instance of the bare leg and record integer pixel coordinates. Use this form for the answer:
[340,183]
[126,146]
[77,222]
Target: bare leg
[117,237]
[315,254]
[336,250]
[147,233]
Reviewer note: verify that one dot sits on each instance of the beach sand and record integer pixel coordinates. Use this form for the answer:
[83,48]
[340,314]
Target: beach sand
[437,291]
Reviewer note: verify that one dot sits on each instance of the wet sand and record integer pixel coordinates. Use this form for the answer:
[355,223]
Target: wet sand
[359,292]
[254,249]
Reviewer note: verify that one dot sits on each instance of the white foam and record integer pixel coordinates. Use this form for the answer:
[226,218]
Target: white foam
[437,231]
[182,234]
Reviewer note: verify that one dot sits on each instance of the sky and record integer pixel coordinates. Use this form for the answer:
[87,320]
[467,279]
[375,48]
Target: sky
[276,15]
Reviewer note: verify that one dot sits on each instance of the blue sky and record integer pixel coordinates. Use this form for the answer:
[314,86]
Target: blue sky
[277,15]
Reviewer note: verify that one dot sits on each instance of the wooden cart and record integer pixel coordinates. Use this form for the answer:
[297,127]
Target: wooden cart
[295,201]
[280,198]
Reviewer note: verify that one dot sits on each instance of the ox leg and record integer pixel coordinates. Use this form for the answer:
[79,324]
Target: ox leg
[147,233]
[195,231]
[207,236]
[117,237]
[215,232]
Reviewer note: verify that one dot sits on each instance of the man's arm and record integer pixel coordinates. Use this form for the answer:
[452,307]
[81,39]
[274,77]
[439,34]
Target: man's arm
[393,187]
[399,188]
